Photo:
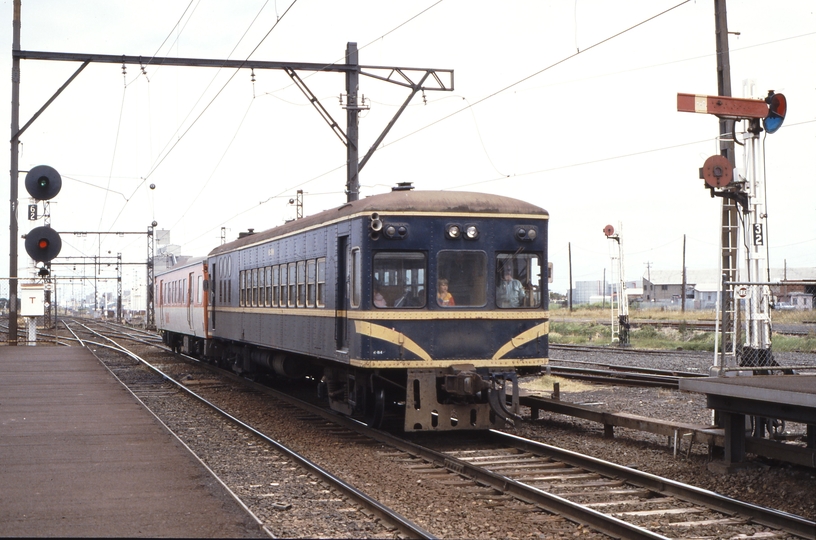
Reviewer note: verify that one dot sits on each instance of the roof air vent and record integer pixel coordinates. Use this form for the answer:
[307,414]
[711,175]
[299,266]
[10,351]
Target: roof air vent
[403,186]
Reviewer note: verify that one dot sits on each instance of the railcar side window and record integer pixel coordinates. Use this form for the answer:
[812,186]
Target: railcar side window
[321,282]
[356,278]
[301,283]
[465,274]
[254,286]
[399,279]
[292,284]
[275,285]
[283,287]
[262,287]
[518,280]
[310,283]
[242,278]
[268,286]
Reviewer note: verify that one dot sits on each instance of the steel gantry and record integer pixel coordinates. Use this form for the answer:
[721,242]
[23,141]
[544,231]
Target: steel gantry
[413,79]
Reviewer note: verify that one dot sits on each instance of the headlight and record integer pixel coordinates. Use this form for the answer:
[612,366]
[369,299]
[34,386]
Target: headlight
[454,231]
[471,232]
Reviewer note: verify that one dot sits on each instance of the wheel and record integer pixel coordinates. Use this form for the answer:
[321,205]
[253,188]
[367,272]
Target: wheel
[375,408]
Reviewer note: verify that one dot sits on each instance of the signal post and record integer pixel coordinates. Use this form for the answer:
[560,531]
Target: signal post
[749,326]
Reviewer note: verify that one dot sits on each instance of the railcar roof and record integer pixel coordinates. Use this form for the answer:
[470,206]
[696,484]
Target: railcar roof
[192,261]
[456,202]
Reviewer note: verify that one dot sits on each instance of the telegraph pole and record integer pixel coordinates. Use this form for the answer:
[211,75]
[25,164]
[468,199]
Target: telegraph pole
[14,172]
[729,211]
[352,108]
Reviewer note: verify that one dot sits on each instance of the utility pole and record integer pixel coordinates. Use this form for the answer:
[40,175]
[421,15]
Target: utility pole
[569,252]
[14,172]
[683,293]
[729,210]
[352,114]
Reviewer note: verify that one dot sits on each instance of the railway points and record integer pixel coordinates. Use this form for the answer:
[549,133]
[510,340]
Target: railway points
[81,457]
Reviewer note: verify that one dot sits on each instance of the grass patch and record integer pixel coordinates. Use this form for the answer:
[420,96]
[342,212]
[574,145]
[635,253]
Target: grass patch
[574,331]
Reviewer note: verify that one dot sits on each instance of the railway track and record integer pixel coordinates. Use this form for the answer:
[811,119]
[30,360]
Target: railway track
[611,499]
[157,385]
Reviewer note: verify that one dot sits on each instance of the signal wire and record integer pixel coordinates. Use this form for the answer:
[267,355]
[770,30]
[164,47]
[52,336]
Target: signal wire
[528,77]
[178,139]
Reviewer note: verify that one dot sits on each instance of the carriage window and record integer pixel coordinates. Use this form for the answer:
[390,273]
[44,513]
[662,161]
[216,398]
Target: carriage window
[254,286]
[275,284]
[200,289]
[301,283]
[261,287]
[292,284]
[310,283]
[283,287]
[268,286]
[242,278]
[321,282]
[518,280]
[465,275]
[356,277]
[399,279]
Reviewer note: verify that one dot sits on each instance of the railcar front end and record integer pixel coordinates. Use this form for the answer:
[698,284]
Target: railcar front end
[181,304]
[412,303]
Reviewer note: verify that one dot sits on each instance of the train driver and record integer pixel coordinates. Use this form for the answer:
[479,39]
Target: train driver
[510,292]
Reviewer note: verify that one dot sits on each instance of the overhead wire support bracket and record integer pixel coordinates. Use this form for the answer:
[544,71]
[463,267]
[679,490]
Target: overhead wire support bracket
[407,82]
[317,105]
[51,100]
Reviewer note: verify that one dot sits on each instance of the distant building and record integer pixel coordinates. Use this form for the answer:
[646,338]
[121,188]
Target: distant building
[702,286]
[597,292]
[800,300]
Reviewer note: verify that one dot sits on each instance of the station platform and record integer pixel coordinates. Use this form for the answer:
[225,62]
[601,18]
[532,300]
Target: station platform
[80,456]
[780,397]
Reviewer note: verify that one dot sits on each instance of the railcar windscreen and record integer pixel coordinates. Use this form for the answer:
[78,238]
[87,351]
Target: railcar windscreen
[518,280]
[399,279]
[461,278]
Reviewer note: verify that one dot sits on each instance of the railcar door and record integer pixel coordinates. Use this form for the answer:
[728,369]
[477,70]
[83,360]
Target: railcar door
[160,294]
[190,289]
[342,283]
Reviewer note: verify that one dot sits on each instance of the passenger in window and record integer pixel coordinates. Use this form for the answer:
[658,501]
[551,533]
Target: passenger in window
[443,297]
[379,301]
[510,292]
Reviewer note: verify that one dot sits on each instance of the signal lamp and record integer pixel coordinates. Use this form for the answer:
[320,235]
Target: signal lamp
[454,231]
[777,109]
[43,244]
[471,232]
[43,182]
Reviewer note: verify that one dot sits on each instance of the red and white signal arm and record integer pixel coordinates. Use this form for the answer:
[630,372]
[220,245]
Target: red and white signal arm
[32,300]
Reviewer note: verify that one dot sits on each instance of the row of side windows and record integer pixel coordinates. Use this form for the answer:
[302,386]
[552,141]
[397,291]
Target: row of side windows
[173,292]
[295,284]
[176,292]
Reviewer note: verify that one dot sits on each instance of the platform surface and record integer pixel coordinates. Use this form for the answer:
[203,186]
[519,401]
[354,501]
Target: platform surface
[796,390]
[80,456]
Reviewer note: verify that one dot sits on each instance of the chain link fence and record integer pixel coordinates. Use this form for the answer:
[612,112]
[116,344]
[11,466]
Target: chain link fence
[767,327]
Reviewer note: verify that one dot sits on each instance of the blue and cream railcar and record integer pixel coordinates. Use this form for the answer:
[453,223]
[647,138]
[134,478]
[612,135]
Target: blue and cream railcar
[181,305]
[419,302]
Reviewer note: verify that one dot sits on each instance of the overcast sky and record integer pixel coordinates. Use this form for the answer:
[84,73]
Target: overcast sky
[569,104]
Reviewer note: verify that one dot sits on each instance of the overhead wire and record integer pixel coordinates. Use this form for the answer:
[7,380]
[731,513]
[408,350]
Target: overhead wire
[178,139]
[470,105]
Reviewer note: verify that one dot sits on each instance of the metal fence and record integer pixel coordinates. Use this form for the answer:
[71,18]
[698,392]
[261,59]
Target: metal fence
[759,331]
